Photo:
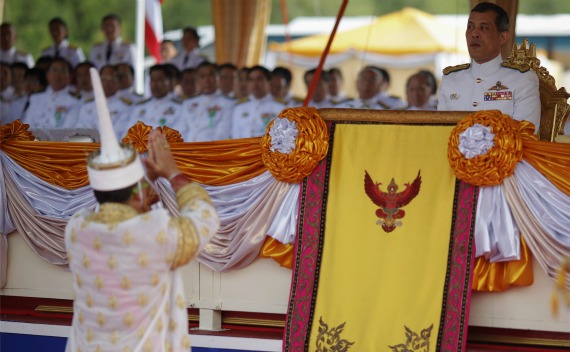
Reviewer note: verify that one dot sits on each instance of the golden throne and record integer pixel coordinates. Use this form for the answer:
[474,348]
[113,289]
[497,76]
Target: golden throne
[554,108]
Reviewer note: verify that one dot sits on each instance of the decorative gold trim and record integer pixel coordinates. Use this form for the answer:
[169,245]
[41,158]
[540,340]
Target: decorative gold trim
[517,340]
[394,116]
[115,165]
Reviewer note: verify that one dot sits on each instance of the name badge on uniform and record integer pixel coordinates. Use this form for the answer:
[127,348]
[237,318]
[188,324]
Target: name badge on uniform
[497,94]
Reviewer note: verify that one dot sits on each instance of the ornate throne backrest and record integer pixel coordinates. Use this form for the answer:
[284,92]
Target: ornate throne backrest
[554,108]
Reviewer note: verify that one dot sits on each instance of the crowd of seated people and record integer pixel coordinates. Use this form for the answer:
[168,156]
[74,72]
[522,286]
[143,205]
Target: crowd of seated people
[202,100]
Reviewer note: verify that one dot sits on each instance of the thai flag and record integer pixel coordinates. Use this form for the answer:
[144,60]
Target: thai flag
[153,27]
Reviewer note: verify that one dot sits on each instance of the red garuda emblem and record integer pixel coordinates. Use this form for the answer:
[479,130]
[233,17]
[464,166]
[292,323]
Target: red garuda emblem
[390,202]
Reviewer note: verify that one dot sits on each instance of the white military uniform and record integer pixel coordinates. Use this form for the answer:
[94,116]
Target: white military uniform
[12,55]
[72,53]
[118,110]
[5,107]
[17,106]
[358,103]
[390,102]
[251,116]
[488,86]
[185,59]
[155,112]
[209,117]
[121,52]
[51,109]
[130,95]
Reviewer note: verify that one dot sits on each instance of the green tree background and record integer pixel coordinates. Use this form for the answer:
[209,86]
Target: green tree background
[84,16]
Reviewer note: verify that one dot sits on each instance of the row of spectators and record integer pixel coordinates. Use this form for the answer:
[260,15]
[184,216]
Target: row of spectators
[202,100]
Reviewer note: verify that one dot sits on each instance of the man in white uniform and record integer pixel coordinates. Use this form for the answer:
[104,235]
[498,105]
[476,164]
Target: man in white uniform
[61,46]
[125,258]
[189,56]
[209,114]
[384,97]
[119,107]
[53,108]
[163,108]
[8,52]
[486,83]
[113,50]
[251,115]
[368,87]
[321,97]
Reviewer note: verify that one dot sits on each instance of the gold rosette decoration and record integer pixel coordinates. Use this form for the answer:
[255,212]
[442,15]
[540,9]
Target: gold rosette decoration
[308,148]
[499,162]
[16,131]
[138,134]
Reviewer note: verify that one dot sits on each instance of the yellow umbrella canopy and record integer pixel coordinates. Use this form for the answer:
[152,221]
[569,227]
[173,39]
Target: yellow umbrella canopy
[408,31]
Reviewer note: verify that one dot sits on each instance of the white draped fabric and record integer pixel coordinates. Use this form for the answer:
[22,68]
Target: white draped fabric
[249,211]
[526,203]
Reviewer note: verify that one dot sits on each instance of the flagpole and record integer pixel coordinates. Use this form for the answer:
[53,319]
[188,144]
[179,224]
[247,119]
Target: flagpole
[139,57]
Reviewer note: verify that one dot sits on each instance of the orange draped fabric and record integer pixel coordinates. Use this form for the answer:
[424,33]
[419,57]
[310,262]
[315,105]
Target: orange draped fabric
[497,277]
[213,163]
[281,253]
[550,159]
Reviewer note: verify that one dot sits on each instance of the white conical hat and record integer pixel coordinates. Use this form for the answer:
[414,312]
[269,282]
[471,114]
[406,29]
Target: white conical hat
[114,166]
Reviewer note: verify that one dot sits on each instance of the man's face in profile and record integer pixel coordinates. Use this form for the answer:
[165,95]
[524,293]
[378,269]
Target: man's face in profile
[484,41]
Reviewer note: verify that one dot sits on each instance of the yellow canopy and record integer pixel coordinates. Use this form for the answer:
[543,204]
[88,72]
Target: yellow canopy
[408,31]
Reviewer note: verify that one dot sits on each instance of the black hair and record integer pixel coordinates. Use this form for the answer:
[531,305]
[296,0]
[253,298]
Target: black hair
[261,69]
[207,64]
[61,59]
[167,69]
[325,75]
[128,65]
[39,74]
[57,20]
[119,196]
[283,72]
[336,70]
[227,65]
[193,32]
[19,64]
[430,79]
[84,63]
[111,16]
[502,18]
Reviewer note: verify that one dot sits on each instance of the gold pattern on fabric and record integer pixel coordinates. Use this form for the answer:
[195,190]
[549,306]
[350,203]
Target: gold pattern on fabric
[101,319]
[81,317]
[311,146]
[113,301]
[191,192]
[187,240]
[142,299]
[112,262]
[90,335]
[497,277]
[329,340]
[16,131]
[98,282]
[125,283]
[414,342]
[143,260]
[128,319]
[161,238]
[112,214]
[115,337]
[97,243]
[89,300]
[128,238]
[500,161]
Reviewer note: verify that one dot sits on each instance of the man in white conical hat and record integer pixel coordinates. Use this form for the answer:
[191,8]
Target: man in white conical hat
[125,257]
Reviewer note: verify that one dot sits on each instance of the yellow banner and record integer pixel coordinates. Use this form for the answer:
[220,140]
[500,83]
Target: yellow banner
[385,253]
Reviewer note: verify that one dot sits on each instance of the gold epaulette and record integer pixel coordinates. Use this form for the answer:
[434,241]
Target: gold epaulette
[279,100]
[242,100]
[90,100]
[385,106]
[336,102]
[126,100]
[521,67]
[143,101]
[75,95]
[456,68]
[72,46]
[176,100]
